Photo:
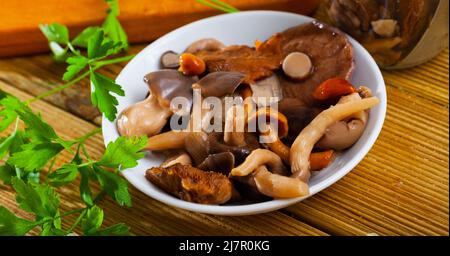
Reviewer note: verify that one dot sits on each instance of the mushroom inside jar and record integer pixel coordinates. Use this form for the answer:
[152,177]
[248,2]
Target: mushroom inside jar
[279,129]
[389,30]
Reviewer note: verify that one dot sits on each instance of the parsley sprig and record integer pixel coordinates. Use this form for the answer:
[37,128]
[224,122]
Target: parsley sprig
[219,5]
[27,151]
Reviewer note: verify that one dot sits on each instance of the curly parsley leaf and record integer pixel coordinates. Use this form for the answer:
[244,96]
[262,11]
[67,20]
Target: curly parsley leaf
[114,185]
[64,175]
[76,64]
[55,32]
[82,39]
[101,94]
[113,28]
[8,113]
[42,200]
[10,224]
[35,156]
[123,153]
[92,221]
[85,190]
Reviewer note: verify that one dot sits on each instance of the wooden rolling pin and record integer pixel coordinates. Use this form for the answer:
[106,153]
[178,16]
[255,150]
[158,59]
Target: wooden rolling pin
[143,20]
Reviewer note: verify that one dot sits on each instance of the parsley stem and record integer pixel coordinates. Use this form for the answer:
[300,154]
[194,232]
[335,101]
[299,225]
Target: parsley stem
[87,164]
[77,221]
[102,63]
[222,6]
[88,135]
[58,89]
[83,148]
[96,66]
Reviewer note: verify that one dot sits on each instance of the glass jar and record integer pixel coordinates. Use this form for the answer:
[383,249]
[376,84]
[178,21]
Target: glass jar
[398,33]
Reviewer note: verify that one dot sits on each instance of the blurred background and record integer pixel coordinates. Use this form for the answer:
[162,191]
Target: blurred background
[398,33]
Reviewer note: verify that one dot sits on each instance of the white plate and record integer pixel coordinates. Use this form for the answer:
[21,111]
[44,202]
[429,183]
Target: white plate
[242,28]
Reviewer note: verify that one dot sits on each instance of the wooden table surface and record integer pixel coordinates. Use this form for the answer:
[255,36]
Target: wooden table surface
[400,188]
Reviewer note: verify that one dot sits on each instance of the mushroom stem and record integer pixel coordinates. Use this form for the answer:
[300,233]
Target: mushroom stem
[234,127]
[278,186]
[304,143]
[166,141]
[257,158]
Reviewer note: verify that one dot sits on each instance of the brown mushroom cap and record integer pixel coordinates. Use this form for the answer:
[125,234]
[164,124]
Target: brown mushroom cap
[222,162]
[327,47]
[219,84]
[168,84]
[170,59]
[208,44]
[342,135]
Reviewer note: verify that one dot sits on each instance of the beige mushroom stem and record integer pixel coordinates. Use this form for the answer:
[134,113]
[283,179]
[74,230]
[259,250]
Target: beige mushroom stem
[179,157]
[257,158]
[234,121]
[166,141]
[278,186]
[308,137]
[147,117]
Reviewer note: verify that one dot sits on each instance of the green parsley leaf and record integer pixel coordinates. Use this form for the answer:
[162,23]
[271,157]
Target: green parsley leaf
[114,185]
[7,172]
[113,28]
[85,190]
[11,225]
[64,175]
[76,64]
[82,39]
[42,200]
[34,156]
[92,221]
[55,32]
[36,124]
[10,104]
[124,152]
[101,94]
[50,230]
[115,230]
[113,7]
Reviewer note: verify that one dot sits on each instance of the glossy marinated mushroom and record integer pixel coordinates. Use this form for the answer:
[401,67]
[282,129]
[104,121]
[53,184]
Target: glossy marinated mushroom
[311,134]
[271,183]
[234,133]
[267,91]
[221,162]
[297,65]
[278,186]
[170,59]
[219,84]
[196,145]
[166,141]
[344,133]
[191,65]
[385,27]
[177,157]
[354,16]
[149,116]
[274,133]
[216,145]
[258,158]
[192,184]
[208,44]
